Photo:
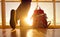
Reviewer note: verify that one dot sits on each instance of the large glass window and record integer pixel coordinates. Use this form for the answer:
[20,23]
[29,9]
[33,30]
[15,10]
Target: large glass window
[32,0]
[47,7]
[57,0]
[58,13]
[0,15]
[11,0]
[42,0]
[9,7]
[45,0]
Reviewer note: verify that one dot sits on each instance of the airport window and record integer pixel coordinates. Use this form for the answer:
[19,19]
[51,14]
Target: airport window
[45,0]
[9,7]
[48,9]
[57,0]
[0,15]
[47,6]
[57,13]
[32,0]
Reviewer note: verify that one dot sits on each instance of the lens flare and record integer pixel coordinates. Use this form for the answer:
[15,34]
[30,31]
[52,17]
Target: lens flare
[29,21]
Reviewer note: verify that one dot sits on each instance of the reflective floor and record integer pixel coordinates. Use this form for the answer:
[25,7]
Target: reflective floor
[30,33]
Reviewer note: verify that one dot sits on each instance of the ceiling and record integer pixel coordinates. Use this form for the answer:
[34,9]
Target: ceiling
[32,0]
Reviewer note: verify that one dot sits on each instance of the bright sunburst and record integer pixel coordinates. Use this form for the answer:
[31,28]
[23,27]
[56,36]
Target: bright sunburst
[28,19]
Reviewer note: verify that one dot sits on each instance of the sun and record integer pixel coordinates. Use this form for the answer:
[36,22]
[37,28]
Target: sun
[29,21]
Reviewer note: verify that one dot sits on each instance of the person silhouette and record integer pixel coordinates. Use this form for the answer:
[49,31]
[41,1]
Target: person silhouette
[13,19]
[22,11]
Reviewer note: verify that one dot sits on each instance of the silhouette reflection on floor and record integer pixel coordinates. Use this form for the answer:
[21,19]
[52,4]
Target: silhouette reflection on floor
[13,34]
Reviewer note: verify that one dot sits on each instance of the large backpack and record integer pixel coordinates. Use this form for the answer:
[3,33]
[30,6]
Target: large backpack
[39,18]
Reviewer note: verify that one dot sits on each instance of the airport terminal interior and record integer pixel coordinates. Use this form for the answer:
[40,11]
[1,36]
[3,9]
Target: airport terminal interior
[50,7]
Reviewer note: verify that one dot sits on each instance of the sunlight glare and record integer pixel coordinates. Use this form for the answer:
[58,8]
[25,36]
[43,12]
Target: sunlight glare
[29,19]
[18,23]
[29,33]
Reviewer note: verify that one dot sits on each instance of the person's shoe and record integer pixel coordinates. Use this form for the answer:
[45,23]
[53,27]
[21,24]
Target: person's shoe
[13,30]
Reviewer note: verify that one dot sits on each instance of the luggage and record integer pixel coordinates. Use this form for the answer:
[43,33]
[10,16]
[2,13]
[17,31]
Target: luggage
[39,19]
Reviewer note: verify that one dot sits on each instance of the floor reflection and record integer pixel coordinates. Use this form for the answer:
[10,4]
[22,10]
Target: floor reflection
[24,32]
[13,34]
[33,32]
[39,32]
[30,33]
[4,32]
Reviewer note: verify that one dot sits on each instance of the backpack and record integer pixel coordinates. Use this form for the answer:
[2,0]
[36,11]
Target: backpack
[39,19]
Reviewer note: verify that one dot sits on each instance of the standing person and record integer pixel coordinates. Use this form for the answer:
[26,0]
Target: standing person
[22,11]
[13,19]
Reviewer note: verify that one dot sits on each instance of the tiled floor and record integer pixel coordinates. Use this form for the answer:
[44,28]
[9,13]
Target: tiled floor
[30,33]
